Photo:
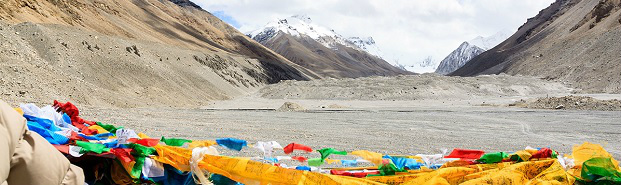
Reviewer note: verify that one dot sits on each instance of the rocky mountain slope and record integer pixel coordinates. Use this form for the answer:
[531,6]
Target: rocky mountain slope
[468,50]
[322,50]
[129,53]
[574,41]
[460,56]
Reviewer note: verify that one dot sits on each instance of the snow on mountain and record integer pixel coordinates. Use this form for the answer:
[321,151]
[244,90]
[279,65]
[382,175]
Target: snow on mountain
[367,44]
[470,49]
[428,65]
[322,50]
[458,58]
[302,25]
[490,42]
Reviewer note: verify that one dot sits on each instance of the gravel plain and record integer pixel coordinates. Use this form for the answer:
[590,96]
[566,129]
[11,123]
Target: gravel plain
[390,127]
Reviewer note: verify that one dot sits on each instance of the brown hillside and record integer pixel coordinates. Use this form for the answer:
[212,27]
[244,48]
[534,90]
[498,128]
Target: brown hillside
[575,41]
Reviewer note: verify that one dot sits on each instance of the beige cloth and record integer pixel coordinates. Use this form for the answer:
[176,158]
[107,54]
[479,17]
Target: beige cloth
[27,158]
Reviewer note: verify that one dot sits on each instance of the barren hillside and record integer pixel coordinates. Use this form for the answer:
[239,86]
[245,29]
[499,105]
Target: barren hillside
[576,41]
[129,53]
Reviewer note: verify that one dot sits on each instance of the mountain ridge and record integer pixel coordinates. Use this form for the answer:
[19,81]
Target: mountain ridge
[130,54]
[322,50]
[470,49]
[574,41]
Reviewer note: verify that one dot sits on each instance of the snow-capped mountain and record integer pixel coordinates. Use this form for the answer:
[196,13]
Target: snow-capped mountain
[367,44]
[323,50]
[458,58]
[470,49]
[490,42]
[302,25]
[428,65]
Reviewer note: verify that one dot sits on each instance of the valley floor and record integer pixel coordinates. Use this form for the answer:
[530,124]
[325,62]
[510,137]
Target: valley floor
[390,127]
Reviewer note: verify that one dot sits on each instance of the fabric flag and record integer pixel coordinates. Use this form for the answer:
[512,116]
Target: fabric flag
[123,135]
[92,147]
[98,128]
[349,163]
[232,143]
[493,157]
[144,142]
[48,134]
[152,168]
[465,154]
[315,162]
[600,171]
[329,151]
[520,156]
[280,158]
[267,147]
[545,153]
[373,157]
[303,168]
[389,169]
[332,161]
[123,154]
[109,128]
[140,153]
[404,163]
[299,158]
[174,141]
[203,143]
[19,110]
[294,146]
[75,151]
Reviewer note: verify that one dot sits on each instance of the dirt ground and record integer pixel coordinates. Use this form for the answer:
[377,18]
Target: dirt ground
[331,118]
[387,127]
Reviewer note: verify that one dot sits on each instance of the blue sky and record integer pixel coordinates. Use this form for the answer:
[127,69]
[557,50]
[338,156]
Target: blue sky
[407,31]
[226,18]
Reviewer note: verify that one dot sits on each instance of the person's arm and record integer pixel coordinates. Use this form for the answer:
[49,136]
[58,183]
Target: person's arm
[12,127]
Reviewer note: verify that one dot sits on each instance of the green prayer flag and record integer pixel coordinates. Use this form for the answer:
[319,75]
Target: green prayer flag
[109,128]
[493,157]
[328,151]
[315,162]
[600,171]
[91,147]
[389,169]
[175,141]
[140,152]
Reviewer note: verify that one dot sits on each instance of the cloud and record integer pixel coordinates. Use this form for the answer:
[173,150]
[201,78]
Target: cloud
[405,30]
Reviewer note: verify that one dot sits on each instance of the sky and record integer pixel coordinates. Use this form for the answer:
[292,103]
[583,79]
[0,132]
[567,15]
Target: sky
[406,31]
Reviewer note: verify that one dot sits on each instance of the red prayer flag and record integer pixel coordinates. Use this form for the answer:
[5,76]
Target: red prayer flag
[299,158]
[353,174]
[465,154]
[150,142]
[543,153]
[294,146]
[123,154]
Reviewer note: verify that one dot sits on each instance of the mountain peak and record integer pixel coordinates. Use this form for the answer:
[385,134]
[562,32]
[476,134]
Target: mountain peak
[490,42]
[185,3]
[320,48]
[469,49]
[303,17]
[297,25]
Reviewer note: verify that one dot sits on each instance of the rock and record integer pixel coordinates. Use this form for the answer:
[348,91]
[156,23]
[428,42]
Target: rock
[559,107]
[336,106]
[290,106]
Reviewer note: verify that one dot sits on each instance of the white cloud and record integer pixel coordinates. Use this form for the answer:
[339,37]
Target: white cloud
[407,30]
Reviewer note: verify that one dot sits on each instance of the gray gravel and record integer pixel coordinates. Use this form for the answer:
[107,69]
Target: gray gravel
[390,130]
